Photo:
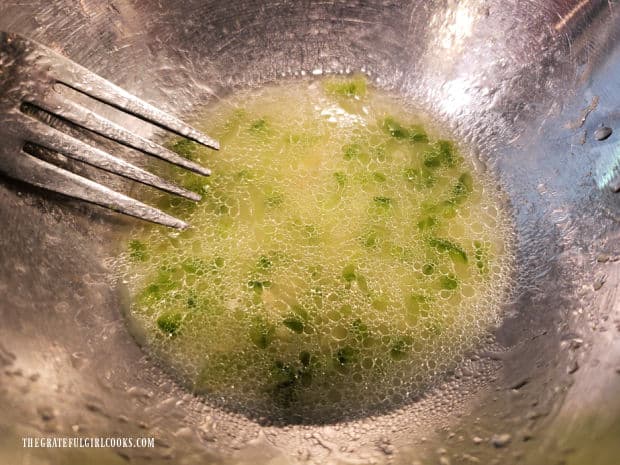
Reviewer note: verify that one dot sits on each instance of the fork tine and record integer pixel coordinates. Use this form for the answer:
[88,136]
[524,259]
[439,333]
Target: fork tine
[51,138]
[81,116]
[82,80]
[40,173]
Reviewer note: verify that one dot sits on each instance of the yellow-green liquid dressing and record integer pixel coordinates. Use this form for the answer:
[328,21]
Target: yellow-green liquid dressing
[342,257]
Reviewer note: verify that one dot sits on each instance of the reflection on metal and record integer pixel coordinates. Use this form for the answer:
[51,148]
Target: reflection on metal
[579,15]
[608,168]
[31,76]
[454,25]
[507,88]
[571,14]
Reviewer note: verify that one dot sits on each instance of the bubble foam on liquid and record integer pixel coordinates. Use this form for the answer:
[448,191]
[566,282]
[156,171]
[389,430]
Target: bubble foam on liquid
[341,260]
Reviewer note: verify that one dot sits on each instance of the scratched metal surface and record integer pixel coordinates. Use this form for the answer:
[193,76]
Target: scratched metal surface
[512,79]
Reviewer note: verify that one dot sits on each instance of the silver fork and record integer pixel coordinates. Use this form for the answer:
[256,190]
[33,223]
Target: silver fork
[29,74]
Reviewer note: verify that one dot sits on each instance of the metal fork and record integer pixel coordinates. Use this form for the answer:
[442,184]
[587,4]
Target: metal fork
[29,74]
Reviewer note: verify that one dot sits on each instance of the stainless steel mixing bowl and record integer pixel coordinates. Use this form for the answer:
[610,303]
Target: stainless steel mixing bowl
[522,83]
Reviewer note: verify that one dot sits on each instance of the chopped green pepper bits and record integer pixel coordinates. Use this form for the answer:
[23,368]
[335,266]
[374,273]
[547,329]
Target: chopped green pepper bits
[444,245]
[169,323]
[448,282]
[294,324]
[339,259]
[137,250]
[348,273]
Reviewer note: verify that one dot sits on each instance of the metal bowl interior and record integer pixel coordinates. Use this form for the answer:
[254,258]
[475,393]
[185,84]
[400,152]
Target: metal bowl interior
[523,84]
